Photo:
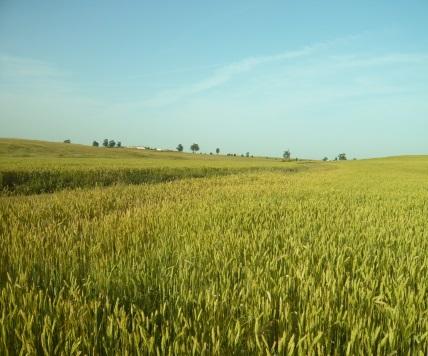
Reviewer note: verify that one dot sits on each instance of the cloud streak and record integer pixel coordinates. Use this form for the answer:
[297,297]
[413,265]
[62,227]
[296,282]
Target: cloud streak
[381,60]
[228,72]
[27,68]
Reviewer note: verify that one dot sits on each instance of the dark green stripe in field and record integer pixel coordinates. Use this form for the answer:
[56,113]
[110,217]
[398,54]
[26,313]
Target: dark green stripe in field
[48,181]
[34,167]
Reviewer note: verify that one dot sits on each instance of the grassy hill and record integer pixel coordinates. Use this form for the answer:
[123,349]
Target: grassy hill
[28,166]
[17,150]
[329,261]
[34,148]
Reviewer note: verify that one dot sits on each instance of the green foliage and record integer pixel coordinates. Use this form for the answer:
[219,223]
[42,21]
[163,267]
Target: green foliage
[330,260]
[33,167]
[180,147]
[48,181]
[67,141]
[217,150]
[112,143]
[95,144]
[194,147]
[105,142]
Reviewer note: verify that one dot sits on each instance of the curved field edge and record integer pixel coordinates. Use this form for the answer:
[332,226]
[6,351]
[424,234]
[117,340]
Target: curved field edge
[323,262]
[48,181]
[34,167]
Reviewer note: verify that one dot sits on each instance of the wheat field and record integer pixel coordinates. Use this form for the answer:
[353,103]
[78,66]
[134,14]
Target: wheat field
[326,258]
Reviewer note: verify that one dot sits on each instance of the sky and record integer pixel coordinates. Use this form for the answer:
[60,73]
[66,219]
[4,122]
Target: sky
[315,77]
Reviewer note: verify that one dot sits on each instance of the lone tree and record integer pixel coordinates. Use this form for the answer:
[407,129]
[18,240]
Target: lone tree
[119,144]
[194,147]
[95,144]
[111,143]
[180,147]
[325,159]
[286,154]
[217,150]
[105,142]
[342,156]
[67,141]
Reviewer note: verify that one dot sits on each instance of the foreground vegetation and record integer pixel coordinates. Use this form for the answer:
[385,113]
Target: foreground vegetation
[34,167]
[331,260]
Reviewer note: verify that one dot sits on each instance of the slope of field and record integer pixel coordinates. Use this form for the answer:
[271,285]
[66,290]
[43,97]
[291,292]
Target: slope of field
[26,154]
[31,167]
[330,260]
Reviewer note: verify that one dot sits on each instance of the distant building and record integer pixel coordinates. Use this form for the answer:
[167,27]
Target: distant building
[152,149]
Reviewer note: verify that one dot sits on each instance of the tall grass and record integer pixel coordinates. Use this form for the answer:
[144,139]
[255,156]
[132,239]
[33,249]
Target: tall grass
[34,167]
[326,261]
[15,182]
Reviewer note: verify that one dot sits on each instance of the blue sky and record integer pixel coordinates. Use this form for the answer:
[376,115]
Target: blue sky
[315,77]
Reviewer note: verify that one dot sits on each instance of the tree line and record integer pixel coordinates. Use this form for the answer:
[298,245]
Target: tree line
[108,143]
[340,157]
[194,147]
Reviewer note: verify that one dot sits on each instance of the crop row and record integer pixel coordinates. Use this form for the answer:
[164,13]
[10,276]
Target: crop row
[321,262]
[50,180]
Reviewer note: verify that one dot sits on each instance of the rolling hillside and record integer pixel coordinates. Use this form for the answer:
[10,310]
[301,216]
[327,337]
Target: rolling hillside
[38,167]
[241,261]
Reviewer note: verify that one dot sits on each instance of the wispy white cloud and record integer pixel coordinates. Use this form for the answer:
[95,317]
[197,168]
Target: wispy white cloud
[326,82]
[288,83]
[324,72]
[380,60]
[173,71]
[227,72]
[14,67]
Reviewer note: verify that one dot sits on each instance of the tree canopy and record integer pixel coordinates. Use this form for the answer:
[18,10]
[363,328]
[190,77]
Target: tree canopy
[194,147]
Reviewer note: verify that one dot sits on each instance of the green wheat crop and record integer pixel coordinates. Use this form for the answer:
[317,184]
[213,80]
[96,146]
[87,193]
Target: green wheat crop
[330,260]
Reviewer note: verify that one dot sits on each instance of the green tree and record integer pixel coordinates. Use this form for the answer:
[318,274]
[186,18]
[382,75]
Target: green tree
[286,154]
[105,142]
[111,143]
[95,143]
[119,144]
[194,147]
[180,147]
[342,157]
[247,154]
[217,150]
[325,159]
[67,141]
